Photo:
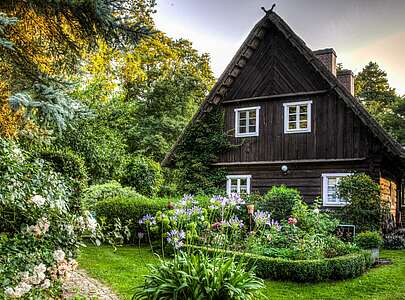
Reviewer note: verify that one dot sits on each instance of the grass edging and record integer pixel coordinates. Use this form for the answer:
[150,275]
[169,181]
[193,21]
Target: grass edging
[337,268]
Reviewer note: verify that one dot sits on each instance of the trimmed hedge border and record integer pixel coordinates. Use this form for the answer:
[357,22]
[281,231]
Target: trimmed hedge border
[337,268]
[128,209]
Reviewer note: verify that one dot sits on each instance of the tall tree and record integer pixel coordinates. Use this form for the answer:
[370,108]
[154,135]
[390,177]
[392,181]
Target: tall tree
[41,42]
[381,100]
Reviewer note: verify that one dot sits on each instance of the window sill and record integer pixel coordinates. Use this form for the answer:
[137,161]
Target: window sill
[247,135]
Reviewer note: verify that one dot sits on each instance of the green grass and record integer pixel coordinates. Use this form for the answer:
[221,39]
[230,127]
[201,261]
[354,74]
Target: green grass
[123,271]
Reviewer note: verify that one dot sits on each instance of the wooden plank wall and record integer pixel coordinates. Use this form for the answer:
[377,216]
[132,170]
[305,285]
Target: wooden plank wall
[307,178]
[336,133]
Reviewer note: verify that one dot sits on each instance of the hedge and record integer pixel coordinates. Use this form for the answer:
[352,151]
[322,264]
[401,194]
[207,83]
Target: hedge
[128,209]
[337,268]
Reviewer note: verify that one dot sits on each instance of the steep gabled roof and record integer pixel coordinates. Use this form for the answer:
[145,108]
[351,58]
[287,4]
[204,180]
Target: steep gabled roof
[240,59]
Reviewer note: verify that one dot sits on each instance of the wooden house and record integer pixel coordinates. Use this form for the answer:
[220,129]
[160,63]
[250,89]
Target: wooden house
[297,122]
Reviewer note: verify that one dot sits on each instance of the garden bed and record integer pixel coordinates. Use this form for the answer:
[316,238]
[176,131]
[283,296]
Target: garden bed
[316,270]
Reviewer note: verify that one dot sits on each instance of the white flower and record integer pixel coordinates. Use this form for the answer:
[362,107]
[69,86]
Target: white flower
[58,255]
[46,284]
[38,200]
[24,275]
[316,210]
[91,223]
[9,292]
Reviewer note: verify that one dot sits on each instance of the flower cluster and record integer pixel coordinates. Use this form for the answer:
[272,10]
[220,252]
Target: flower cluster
[63,267]
[187,200]
[292,221]
[263,218]
[37,279]
[175,238]
[233,200]
[147,220]
[40,228]
[235,223]
[38,200]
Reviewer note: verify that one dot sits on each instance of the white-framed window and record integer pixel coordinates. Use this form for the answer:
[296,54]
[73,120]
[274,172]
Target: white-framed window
[329,189]
[238,184]
[247,121]
[297,117]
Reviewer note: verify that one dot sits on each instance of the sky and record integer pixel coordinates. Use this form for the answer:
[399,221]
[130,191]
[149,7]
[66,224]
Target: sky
[359,30]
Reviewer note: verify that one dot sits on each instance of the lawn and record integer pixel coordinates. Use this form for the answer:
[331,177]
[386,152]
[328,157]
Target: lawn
[123,270]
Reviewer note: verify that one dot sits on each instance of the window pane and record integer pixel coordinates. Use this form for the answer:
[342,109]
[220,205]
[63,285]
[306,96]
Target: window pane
[242,129]
[303,117]
[303,124]
[252,114]
[303,108]
[292,117]
[234,185]
[292,125]
[252,122]
[332,194]
[242,115]
[242,122]
[252,128]
[292,109]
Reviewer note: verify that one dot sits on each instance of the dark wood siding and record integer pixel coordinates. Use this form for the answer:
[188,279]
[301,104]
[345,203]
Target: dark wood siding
[336,133]
[275,68]
[306,177]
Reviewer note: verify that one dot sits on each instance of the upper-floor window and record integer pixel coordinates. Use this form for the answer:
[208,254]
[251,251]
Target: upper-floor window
[330,183]
[238,184]
[247,121]
[297,117]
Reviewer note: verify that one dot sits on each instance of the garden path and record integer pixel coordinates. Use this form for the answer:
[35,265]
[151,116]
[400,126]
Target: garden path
[81,284]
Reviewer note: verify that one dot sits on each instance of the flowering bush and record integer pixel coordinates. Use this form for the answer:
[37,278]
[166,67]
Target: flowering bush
[39,235]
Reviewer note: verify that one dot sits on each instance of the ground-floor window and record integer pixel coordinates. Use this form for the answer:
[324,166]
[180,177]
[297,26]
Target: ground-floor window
[329,189]
[238,184]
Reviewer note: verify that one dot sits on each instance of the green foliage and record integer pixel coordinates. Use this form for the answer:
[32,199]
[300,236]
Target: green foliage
[197,276]
[337,268]
[102,148]
[108,190]
[381,100]
[280,201]
[369,240]
[144,175]
[128,210]
[395,241]
[203,141]
[364,208]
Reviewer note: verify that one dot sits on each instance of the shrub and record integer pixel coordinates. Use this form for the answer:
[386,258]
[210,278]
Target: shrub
[394,241]
[198,276]
[40,235]
[128,210]
[111,189]
[364,207]
[369,240]
[280,201]
[144,175]
[337,268]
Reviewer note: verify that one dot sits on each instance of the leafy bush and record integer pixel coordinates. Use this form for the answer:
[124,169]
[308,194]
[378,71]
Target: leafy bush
[369,240]
[198,276]
[40,235]
[111,189]
[144,175]
[280,201]
[102,148]
[364,208]
[128,210]
[394,241]
[337,268]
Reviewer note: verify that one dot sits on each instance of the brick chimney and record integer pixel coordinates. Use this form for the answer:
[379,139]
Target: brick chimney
[346,78]
[328,58]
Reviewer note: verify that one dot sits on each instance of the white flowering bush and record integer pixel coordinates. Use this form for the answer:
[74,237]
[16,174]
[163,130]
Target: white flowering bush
[39,234]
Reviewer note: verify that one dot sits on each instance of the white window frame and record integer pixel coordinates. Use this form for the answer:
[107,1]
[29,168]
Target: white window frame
[287,105]
[325,177]
[237,129]
[238,178]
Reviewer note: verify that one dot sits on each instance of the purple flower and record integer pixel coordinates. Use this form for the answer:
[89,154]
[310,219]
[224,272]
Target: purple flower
[234,199]
[148,220]
[187,200]
[234,222]
[219,201]
[275,224]
[175,238]
[262,218]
